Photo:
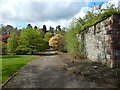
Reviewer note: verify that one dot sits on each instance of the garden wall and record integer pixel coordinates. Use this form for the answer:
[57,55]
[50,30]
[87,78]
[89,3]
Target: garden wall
[102,41]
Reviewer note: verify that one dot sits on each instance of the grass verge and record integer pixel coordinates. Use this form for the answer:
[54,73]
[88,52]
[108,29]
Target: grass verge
[11,64]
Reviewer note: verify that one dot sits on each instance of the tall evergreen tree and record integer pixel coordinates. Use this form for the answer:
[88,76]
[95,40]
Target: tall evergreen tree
[29,26]
[44,28]
[35,27]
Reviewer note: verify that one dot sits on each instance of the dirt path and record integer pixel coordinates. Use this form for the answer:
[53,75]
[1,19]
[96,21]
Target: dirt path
[46,72]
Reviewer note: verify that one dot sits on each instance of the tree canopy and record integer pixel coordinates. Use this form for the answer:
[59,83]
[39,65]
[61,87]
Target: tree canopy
[31,41]
[12,43]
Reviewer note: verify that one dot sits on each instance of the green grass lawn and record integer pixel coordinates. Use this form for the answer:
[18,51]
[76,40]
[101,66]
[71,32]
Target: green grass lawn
[11,64]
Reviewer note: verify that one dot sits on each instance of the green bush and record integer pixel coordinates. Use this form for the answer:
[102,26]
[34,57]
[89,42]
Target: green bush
[74,46]
[31,42]
[62,41]
[12,43]
[47,36]
[62,44]
[3,48]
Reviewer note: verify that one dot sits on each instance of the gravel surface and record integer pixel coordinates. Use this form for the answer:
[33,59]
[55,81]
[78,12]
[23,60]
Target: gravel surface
[101,75]
[46,72]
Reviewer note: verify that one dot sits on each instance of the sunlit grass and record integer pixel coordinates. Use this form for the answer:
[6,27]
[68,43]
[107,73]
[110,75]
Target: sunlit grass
[11,64]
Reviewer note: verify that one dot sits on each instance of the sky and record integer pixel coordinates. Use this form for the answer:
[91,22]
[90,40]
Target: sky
[19,13]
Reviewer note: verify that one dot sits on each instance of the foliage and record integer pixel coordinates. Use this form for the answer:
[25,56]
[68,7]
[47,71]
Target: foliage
[58,42]
[91,18]
[12,43]
[42,34]
[29,26]
[31,42]
[53,42]
[7,29]
[3,48]
[11,64]
[5,37]
[35,27]
[44,29]
[62,44]
[47,36]
[76,47]
[58,28]
[62,41]
[73,45]
[51,29]
[61,32]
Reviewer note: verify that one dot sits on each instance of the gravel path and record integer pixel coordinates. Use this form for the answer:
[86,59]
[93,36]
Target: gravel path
[46,72]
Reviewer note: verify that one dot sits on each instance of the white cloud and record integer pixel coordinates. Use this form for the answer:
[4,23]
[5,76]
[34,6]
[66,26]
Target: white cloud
[104,6]
[63,23]
[115,2]
[38,11]
[82,12]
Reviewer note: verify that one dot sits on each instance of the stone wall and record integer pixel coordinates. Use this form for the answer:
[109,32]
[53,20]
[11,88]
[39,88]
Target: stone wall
[102,41]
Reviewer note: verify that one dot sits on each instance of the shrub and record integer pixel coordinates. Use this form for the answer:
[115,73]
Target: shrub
[31,42]
[3,48]
[53,42]
[12,43]
[5,37]
[74,46]
[47,36]
[62,44]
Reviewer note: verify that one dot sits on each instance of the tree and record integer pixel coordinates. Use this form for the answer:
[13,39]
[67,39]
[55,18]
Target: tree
[29,26]
[3,47]
[51,29]
[12,43]
[62,44]
[81,21]
[58,28]
[42,34]
[74,46]
[35,27]
[61,32]
[31,41]
[53,42]
[5,37]
[44,29]
[47,36]
[89,15]
[6,29]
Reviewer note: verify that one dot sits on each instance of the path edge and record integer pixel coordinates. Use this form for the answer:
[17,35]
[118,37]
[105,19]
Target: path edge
[6,81]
